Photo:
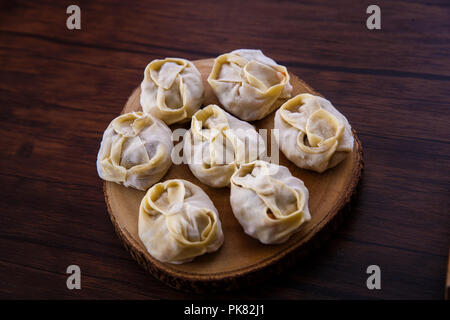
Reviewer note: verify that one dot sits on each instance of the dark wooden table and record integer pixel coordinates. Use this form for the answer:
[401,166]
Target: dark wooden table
[60,88]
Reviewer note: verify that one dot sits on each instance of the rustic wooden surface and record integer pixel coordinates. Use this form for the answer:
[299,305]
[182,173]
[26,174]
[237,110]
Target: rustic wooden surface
[447,285]
[59,89]
[241,260]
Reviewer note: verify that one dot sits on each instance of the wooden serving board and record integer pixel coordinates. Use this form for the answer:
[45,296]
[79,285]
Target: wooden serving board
[241,260]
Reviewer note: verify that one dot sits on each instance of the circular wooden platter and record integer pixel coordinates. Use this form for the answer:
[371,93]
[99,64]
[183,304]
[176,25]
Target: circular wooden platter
[242,260]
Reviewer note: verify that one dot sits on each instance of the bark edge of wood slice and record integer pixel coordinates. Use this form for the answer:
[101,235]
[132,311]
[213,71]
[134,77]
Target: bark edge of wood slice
[242,260]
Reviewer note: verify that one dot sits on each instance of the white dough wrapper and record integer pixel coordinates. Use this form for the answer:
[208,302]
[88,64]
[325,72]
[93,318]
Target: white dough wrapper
[312,133]
[178,222]
[135,151]
[247,83]
[217,143]
[172,90]
[269,203]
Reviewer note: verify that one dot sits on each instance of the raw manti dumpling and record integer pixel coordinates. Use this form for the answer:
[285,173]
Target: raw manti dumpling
[312,133]
[172,90]
[269,203]
[135,151]
[217,143]
[178,222]
[247,83]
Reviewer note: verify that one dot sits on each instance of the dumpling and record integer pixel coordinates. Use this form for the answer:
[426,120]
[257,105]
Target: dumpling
[217,143]
[312,133]
[135,151]
[178,222]
[269,203]
[247,83]
[172,90]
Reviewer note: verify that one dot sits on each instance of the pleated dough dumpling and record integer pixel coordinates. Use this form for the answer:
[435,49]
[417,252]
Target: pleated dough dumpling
[217,144]
[269,203]
[135,151]
[178,222]
[312,133]
[172,90]
[247,83]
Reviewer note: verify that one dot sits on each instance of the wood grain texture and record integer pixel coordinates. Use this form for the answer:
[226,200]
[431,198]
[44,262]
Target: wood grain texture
[447,283]
[59,89]
[241,260]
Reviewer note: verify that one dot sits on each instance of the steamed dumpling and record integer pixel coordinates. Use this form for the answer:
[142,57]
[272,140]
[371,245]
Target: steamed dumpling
[178,222]
[135,151]
[172,90]
[269,203]
[312,133]
[247,83]
[218,143]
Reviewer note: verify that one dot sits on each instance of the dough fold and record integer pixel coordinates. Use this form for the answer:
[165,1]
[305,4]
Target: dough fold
[248,84]
[135,151]
[217,143]
[269,203]
[172,90]
[178,222]
[312,133]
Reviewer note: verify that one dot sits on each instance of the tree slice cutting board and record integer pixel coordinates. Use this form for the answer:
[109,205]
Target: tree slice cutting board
[241,260]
